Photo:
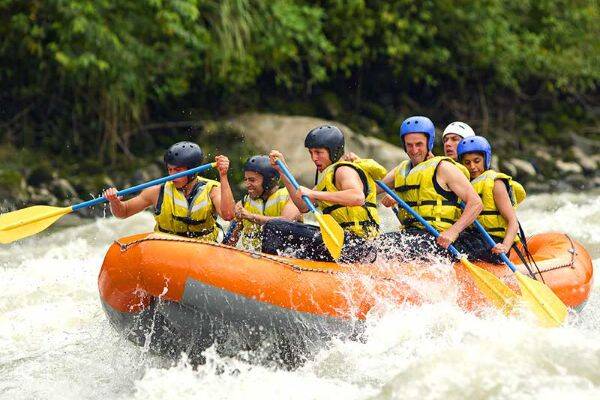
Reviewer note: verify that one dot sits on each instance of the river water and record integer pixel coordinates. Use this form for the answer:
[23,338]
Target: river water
[55,342]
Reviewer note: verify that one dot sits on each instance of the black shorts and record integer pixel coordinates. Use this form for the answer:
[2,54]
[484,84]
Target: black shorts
[304,241]
[418,244]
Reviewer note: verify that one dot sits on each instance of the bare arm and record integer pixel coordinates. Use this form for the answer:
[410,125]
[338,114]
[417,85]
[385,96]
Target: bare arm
[350,189]
[296,199]
[504,206]
[125,209]
[450,178]
[222,197]
[388,180]
[275,155]
[290,212]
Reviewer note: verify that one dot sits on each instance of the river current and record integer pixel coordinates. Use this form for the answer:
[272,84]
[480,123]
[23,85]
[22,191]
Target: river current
[56,343]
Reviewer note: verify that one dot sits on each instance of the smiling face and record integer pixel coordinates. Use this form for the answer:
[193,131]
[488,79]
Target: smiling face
[320,156]
[475,163]
[451,141]
[415,145]
[179,182]
[254,184]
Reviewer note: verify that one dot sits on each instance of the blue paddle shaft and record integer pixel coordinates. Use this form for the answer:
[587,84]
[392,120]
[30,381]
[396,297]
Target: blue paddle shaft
[412,212]
[143,186]
[294,183]
[491,241]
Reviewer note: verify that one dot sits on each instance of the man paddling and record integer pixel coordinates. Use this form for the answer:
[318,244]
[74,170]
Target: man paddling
[345,190]
[187,206]
[432,186]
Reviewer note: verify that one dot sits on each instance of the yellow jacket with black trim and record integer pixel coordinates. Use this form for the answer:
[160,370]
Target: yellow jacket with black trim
[417,188]
[362,220]
[194,217]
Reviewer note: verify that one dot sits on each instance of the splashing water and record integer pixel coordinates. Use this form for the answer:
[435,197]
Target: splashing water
[55,342]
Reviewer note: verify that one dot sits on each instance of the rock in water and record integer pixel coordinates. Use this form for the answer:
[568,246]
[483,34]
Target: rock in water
[287,133]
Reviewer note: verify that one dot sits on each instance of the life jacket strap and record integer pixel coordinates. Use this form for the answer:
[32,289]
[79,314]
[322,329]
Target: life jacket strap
[197,234]
[189,221]
[406,188]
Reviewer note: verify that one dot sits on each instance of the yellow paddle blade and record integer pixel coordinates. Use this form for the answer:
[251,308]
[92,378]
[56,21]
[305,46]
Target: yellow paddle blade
[546,305]
[28,221]
[332,233]
[491,286]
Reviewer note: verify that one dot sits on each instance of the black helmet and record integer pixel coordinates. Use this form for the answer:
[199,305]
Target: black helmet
[184,154]
[261,165]
[329,137]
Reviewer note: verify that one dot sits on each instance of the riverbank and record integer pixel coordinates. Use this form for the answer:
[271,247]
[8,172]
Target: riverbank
[30,176]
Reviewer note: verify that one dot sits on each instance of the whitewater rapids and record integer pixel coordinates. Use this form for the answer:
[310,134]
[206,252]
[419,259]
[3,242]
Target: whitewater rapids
[56,343]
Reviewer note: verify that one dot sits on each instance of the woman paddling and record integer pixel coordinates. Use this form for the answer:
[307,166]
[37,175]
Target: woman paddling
[499,192]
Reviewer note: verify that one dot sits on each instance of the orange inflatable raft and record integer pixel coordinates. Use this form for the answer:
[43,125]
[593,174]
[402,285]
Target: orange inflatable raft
[176,294]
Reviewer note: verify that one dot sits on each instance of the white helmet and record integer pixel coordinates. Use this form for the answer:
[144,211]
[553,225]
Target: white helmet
[459,128]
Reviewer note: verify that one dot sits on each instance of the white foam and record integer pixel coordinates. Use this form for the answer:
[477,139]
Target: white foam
[56,343]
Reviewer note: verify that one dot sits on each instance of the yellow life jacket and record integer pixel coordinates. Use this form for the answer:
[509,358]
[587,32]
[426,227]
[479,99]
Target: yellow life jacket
[417,188]
[362,220]
[196,218]
[273,207]
[464,170]
[466,173]
[491,219]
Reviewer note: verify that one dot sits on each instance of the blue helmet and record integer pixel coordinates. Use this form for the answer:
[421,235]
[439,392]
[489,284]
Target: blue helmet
[419,124]
[476,144]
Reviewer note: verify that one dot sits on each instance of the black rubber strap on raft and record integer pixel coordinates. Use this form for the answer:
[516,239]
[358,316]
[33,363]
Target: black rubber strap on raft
[527,252]
[524,261]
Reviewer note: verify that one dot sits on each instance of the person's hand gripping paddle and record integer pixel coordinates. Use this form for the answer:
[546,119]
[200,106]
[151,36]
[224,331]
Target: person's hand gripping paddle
[20,224]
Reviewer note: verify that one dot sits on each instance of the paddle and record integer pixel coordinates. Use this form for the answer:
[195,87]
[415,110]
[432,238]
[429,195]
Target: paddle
[31,220]
[545,304]
[489,284]
[331,231]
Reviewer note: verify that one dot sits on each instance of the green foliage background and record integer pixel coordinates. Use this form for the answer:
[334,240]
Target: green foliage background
[84,78]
